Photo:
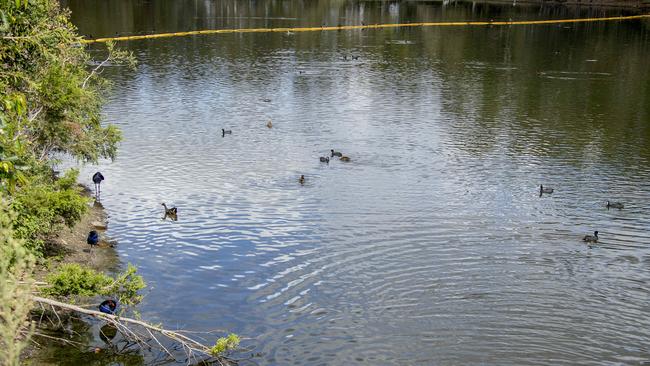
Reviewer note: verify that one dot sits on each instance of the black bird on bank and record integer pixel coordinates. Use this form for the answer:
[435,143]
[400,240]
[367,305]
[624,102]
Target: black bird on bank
[97,179]
[108,306]
[93,239]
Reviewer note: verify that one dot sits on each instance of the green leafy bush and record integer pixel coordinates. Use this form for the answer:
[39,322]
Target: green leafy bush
[42,208]
[126,286]
[225,344]
[72,279]
[16,265]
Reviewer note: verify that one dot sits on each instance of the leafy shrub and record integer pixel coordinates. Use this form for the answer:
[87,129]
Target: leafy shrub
[16,265]
[42,207]
[225,344]
[72,279]
[126,286]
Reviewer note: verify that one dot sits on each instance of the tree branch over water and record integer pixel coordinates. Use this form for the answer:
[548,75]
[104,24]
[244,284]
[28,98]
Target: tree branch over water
[145,334]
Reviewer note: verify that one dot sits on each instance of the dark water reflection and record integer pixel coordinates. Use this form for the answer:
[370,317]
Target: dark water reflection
[432,246]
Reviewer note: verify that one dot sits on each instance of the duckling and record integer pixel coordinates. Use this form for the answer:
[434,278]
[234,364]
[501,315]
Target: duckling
[615,205]
[336,153]
[344,158]
[269,124]
[591,238]
[544,190]
[324,159]
[226,132]
[302,179]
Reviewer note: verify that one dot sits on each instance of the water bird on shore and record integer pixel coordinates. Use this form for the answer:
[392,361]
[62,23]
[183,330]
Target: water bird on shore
[225,132]
[336,153]
[302,179]
[615,205]
[108,306]
[97,179]
[591,238]
[92,239]
[543,190]
[344,158]
[324,159]
[269,124]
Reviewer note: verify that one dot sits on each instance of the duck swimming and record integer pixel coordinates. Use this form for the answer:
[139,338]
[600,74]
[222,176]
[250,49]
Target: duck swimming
[226,132]
[544,190]
[324,159]
[591,238]
[269,124]
[170,212]
[302,179]
[336,153]
[345,159]
[615,205]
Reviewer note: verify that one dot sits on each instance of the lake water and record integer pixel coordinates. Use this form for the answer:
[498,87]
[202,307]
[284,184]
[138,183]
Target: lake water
[432,246]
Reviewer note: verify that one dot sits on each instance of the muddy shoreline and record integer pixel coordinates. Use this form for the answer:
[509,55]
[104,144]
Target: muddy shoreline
[69,245]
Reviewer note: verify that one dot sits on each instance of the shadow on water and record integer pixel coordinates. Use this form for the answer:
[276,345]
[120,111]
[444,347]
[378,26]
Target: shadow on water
[432,245]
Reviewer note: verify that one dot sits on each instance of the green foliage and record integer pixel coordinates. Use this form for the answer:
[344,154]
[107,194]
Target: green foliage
[51,100]
[126,286]
[16,264]
[42,207]
[225,344]
[72,279]
[50,103]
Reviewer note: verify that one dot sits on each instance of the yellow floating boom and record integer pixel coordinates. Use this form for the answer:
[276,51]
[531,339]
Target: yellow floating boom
[369,26]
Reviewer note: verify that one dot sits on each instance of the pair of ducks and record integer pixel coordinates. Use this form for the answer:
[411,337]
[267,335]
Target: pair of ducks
[586,238]
[334,153]
[594,238]
[609,205]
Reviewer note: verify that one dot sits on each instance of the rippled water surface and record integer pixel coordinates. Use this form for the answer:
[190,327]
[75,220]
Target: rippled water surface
[432,246]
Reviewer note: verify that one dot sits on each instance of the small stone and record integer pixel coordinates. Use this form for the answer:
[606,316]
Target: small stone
[98,225]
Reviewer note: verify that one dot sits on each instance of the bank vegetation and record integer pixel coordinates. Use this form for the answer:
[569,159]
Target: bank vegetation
[50,109]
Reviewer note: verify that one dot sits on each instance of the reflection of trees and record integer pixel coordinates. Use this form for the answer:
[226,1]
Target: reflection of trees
[551,93]
[499,85]
[105,18]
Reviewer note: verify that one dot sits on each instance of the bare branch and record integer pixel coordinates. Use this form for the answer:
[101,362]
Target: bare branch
[94,71]
[191,346]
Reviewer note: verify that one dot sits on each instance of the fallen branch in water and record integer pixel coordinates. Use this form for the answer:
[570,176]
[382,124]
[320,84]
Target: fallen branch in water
[146,335]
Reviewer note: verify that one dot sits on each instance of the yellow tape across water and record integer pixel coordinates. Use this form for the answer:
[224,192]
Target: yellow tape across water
[368,26]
